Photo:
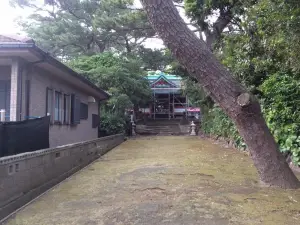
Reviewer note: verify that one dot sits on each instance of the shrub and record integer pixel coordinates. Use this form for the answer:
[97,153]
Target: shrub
[281,107]
[111,124]
[216,122]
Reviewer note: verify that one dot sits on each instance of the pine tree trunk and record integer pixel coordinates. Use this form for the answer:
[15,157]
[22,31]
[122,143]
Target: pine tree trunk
[232,97]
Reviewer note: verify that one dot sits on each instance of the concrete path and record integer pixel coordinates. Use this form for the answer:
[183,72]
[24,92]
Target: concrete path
[164,180]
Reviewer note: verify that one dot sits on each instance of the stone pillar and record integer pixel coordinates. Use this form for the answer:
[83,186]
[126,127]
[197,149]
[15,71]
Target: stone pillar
[2,115]
[23,98]
[133,133]
[15,91]
[133,126]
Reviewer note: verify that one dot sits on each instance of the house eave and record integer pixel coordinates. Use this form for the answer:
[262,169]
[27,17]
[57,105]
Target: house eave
[44,57]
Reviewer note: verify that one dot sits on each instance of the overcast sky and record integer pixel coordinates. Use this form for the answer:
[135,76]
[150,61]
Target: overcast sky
[7,17]
[8,25]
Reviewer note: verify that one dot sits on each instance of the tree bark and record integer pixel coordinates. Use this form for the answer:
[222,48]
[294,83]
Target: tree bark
[200,62]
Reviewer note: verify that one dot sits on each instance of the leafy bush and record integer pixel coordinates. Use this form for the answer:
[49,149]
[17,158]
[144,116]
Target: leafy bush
[281,106]
[216,122]
[111,124]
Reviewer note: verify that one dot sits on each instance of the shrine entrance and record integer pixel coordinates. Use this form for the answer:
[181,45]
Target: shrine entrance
[168,105]
[162,107]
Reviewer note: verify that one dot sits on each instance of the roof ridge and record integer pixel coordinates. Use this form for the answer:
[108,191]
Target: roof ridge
[15,38]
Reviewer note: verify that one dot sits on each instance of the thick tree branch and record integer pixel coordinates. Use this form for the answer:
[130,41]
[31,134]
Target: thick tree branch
[39,9]
[62,47]
[127,45]
[141,41]
[218,27]
[179,6]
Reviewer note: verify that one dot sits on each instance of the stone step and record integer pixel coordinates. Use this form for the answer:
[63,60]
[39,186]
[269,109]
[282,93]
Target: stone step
[155,131]
[171,126]
[159,129]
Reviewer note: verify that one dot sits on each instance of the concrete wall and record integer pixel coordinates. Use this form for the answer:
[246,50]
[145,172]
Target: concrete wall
[60,134]
[25,176]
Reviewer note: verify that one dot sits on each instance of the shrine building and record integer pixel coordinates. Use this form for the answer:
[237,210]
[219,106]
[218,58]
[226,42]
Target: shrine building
[168,99]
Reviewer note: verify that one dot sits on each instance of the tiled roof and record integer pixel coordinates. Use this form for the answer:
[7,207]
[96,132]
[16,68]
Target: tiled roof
[4,38]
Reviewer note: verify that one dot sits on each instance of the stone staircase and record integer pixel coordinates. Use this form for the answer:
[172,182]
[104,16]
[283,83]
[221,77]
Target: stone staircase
[159,127]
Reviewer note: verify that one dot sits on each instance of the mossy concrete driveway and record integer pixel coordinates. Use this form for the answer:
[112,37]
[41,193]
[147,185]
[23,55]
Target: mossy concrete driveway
[164,180]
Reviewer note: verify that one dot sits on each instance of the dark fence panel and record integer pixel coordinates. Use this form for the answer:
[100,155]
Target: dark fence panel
[24,136]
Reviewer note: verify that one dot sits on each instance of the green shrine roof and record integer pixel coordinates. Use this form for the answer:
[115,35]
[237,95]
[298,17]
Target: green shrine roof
[155,75]
[163,83]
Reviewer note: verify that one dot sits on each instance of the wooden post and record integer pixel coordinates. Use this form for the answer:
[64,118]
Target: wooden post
[154,104]
[173,106]
[169,102]
[186,112]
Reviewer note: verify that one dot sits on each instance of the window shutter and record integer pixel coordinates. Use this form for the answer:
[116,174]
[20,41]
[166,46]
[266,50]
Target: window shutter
[84,111]
[66,109]
[75,110]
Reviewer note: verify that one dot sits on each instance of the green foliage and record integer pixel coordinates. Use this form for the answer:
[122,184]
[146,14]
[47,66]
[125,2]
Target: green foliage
[216,122]
[247,59]
[200,10]
[282,111]
[267,43]
[111,124]
[197,95]
[212,17]
[68,28]
[120,75]
[154,59]
[277,23]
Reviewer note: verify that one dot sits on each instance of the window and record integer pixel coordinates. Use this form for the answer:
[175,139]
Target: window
[58,108]
[49,102]
[66,109]
[58,105]
[84,111]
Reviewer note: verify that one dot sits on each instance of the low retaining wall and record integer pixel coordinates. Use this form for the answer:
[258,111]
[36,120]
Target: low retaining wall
[25,176]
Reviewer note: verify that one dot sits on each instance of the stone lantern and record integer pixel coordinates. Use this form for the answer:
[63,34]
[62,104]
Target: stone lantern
[193,129]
